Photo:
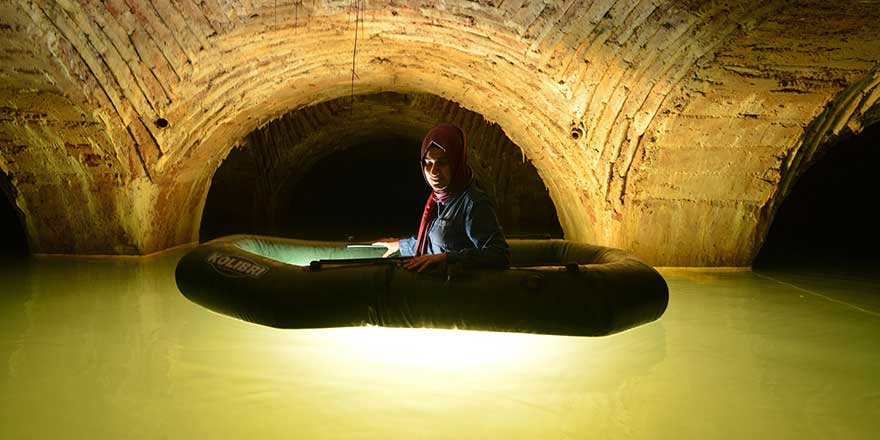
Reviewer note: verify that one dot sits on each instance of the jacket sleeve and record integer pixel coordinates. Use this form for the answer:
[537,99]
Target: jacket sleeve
[407,246]
[490,247]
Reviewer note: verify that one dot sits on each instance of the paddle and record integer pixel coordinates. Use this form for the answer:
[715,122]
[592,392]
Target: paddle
[319,264]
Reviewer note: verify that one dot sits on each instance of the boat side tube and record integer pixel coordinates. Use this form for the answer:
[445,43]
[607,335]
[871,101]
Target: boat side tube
[553,287]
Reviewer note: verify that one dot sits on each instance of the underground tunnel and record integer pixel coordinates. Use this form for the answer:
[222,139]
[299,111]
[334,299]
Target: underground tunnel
[828,218]
[297,180]
[14,240]
[645,122]
[728,144]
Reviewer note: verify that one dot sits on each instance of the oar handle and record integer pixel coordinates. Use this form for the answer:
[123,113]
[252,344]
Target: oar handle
[319,264]
[571,266]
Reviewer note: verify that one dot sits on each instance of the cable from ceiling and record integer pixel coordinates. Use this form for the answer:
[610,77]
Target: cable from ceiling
[358,21]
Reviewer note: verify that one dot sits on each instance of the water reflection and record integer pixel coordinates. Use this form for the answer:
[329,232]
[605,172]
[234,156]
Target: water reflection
[110,349]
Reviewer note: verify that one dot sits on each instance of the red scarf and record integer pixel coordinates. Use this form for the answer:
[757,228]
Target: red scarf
[450,139]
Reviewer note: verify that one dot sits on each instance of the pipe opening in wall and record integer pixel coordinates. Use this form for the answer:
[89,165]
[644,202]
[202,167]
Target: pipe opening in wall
[13,241]
[828,217]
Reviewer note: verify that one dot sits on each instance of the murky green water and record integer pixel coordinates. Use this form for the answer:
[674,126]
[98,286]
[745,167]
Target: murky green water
[110,349]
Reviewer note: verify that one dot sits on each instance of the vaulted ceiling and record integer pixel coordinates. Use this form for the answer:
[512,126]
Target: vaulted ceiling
[670,128]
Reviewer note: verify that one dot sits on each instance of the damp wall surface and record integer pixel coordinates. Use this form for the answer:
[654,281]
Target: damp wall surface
[672,129]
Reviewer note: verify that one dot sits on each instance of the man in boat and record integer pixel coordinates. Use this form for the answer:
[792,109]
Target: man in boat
[459,225]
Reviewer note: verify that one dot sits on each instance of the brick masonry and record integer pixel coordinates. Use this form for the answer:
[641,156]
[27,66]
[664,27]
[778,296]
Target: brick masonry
[670,128]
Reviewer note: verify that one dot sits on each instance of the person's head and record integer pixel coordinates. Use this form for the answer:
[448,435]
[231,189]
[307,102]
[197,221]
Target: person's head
[438,172]
[444,160]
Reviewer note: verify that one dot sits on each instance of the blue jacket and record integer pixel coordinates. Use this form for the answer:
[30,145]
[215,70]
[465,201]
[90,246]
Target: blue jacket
[466,229]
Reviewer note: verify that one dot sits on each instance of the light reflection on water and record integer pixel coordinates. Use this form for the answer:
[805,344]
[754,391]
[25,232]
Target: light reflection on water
[110,349]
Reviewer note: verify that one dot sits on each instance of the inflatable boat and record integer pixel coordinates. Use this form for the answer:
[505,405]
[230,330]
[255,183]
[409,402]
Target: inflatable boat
[554,287]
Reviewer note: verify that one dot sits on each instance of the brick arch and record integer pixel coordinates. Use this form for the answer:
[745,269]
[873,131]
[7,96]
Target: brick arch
[14,239]
[600,94]
[271,161]
[852,111]
[536,82]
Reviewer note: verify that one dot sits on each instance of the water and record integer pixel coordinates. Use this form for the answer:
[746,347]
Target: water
[109,349]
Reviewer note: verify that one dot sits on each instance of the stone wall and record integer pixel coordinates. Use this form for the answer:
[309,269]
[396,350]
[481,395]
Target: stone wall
[671,128]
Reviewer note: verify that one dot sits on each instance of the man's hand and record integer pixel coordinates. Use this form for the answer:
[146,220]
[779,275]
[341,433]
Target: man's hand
[422,262]
[392,245]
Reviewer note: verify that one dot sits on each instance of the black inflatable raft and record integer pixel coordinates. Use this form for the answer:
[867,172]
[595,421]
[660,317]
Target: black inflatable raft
[553,287]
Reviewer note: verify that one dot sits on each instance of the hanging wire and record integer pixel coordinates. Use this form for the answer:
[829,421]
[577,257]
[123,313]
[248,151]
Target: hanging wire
[358,19]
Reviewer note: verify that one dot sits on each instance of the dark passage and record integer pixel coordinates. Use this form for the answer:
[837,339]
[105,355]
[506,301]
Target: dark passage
[828,219]
[338,171]
[366,191]
[13,241]
[334,171]
[363,192]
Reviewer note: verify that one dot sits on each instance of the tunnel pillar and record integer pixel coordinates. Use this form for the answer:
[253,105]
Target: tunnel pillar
[77,215]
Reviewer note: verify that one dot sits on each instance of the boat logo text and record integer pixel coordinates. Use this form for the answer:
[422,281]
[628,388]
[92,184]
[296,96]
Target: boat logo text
[235,267]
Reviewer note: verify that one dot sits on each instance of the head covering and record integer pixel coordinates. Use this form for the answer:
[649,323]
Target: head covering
[450,139]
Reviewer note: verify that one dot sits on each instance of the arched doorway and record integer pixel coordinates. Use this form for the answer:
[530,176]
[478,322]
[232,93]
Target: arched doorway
[327,172]
[13,241]
[828,218]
